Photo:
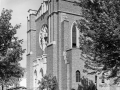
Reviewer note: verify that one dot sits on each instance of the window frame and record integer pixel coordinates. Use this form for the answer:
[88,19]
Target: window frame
[78,76]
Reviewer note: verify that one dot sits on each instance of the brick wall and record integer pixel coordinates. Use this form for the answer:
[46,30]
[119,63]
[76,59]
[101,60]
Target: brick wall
[31,56]
[77,64]
[39,23]
[28,71]
[50,60]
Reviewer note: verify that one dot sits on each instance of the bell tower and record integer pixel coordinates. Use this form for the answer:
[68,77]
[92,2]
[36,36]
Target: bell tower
[31,47]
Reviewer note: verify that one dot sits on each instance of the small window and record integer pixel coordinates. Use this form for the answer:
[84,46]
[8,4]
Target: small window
[77,76]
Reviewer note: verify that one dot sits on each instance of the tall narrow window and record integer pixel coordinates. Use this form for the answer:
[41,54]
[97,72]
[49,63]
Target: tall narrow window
[47,5]
[95,78]
[74,36]
[103,78]
[35,73]
[77,76]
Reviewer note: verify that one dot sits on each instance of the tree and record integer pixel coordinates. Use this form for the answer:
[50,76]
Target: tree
[100,36]
[86,84]
[10,51]
[48,82]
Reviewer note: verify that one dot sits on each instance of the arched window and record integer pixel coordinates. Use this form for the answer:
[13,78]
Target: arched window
[75,36]
[41,71]
[77,76]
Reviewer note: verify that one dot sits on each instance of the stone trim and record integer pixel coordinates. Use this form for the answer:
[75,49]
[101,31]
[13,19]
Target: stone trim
[51,43]
[59,11]
[30,30]
[70,1]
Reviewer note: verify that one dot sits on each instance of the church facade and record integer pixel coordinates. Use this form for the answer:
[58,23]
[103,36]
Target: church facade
[53,47]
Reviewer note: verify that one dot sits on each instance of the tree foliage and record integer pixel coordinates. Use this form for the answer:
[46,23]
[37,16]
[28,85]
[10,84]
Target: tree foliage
[100,36]
[48,82]
[86,84]
[10,50]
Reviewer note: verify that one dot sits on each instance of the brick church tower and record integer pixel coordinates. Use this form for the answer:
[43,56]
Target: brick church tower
[31,47]
[53,46]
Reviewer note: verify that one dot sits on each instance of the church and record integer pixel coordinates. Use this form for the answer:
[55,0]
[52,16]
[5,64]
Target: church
[53,47]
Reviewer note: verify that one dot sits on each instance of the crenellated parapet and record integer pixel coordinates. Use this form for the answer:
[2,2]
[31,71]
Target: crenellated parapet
[31,12]
[43,9]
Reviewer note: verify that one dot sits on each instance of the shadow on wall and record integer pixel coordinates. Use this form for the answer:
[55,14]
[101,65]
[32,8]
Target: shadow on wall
[86,84]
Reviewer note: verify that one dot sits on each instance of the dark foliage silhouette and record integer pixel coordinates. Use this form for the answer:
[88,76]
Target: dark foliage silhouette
[100,36]
[10,51]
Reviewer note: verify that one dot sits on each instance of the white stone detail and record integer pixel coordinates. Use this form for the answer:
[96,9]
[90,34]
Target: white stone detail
[42,35]
[40,67]
[63,17]
[65,57]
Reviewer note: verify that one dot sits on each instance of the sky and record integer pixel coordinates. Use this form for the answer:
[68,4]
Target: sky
[20,12]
